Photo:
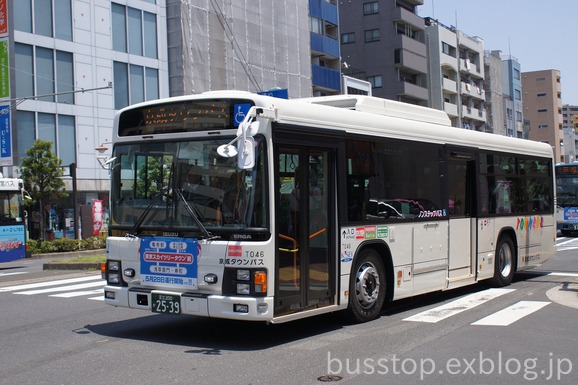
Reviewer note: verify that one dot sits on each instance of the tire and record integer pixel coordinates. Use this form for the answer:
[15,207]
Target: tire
[366,287]
[505,262]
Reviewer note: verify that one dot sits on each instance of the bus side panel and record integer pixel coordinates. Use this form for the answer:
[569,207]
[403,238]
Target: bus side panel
[536,238]
[486,247]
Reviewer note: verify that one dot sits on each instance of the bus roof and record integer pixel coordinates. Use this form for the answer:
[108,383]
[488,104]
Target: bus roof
[366,115]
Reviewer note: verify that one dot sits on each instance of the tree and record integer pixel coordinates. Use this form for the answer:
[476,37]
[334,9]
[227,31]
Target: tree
[41,171]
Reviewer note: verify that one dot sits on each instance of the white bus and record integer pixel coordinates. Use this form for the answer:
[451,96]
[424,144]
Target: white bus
[233,205]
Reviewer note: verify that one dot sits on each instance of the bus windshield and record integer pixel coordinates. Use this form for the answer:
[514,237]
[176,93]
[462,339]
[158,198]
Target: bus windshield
[567,190]
[186,187]
[10,207]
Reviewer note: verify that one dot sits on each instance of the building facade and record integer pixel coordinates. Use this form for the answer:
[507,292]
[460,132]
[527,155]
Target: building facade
[570,129]
[386,40]
[543,108]
[72,64]
[244,45]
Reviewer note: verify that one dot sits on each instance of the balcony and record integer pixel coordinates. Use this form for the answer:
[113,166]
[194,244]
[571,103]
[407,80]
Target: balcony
[326,78]
[473,91]
[473,113]
[324,10]
[324,45]
[402,14]
[411,90]
[449,86]
[451,109]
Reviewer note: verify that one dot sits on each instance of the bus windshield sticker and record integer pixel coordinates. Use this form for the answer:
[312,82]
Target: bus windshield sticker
[169,261]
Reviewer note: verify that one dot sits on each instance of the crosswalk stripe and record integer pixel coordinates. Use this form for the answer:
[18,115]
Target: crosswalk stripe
[63,288]
[99,298]
[77,293]
[50,283]
[455,307]
[564,274]
[512,313]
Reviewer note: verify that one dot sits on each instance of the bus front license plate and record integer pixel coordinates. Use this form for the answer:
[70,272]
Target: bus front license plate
[166,303]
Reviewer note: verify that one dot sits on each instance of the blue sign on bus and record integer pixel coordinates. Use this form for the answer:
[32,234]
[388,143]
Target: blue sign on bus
[169,261]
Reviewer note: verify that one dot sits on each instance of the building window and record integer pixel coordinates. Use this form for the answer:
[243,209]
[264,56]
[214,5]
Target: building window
[518,94]
[371,8]
[542,126]
[518,116]
[541,94]
[542,110]
[372,35]
[58,129]
[53,73]
[347,38]
[134,31]
[448,49]
[134,84]
[375,81]
[316,25]
[52,18]
[516,74]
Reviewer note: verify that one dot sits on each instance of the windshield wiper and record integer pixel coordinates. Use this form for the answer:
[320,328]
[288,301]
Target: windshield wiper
[195,215]
[136,228]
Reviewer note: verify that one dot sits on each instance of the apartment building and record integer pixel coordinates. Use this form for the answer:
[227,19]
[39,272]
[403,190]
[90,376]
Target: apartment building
[543,108]
[385,40]
[456,75]
[504,104]
[570,129]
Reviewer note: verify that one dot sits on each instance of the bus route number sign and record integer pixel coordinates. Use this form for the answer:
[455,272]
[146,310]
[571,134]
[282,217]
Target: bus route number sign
[166,303]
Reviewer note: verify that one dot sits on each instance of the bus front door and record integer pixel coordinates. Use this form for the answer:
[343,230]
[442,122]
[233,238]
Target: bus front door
[461,173]
[305,201]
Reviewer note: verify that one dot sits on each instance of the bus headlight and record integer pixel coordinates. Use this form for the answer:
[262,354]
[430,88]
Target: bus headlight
[243,275]
[243,288]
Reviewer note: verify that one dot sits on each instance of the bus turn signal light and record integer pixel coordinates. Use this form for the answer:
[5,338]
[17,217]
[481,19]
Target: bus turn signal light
[260,280]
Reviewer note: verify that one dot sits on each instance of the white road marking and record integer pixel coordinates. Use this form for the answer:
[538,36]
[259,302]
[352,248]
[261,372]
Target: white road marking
[50,283]
[455,307]
[63,288]
[78,293]
[512,313]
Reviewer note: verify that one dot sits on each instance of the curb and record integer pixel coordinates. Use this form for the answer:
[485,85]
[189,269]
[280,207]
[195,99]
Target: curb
[71,266]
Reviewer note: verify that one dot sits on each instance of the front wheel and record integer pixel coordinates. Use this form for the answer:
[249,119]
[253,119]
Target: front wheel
[367,286]
[504,264]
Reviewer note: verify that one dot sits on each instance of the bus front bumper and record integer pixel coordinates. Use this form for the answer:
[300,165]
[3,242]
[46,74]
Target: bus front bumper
[203,305]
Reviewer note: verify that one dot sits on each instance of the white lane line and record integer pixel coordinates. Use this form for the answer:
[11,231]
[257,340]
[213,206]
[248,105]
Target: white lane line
[512,313]
[50,283]
[78,293]
[14,273]
[455,307]
[562,274]
[63,288]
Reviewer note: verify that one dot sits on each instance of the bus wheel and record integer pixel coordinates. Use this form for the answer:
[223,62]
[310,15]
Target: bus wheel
[367,287]
[504,262]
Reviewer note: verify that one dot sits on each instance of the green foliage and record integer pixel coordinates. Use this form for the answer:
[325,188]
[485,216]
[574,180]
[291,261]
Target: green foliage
[66,244]
[41,170]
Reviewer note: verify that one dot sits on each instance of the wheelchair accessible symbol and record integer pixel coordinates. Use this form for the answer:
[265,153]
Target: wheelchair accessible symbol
[241,111]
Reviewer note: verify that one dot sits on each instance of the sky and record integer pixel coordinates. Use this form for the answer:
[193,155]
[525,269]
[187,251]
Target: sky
[541,34]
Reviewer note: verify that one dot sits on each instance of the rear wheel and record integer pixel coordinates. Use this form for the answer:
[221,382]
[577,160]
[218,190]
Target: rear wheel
[367,286]
[504,264]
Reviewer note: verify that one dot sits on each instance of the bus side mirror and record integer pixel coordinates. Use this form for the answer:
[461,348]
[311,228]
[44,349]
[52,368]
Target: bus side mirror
[246,153]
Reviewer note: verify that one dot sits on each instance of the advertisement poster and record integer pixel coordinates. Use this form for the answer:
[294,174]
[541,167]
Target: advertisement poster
[96,217]
[169,261]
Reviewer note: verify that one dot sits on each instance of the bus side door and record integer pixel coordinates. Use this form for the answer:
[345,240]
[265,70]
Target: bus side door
[461,182]
[305,229]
